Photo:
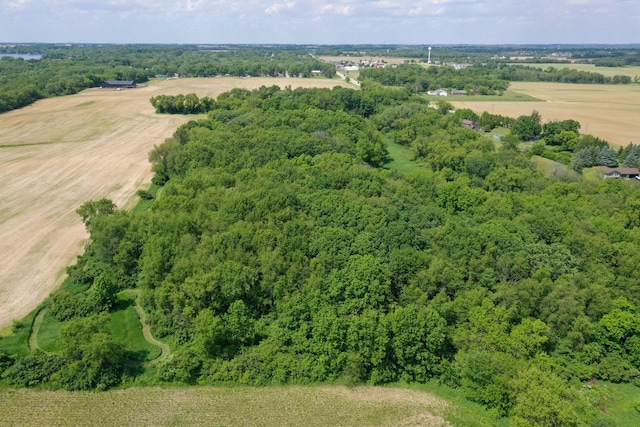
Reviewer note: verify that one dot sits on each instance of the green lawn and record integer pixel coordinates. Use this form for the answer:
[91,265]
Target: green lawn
[49,333]
[399,158]
[126,327]
[15,339]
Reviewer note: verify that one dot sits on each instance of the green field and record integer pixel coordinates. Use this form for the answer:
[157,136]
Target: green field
[508,96]
[605,71]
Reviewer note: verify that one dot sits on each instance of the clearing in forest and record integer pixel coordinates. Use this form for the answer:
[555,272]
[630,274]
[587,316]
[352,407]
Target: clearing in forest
[60,152]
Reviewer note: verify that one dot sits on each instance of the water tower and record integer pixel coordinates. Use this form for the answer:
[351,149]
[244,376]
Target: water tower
[429,58]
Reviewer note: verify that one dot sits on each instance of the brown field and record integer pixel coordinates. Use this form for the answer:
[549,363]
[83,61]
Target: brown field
[610,112]
[237,406]
[58,153]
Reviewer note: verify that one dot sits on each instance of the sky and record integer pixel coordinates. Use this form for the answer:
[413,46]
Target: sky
[321,22]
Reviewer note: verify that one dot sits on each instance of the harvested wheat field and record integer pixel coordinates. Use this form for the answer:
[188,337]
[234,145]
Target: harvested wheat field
[237,406]
[58,153]
[610,112]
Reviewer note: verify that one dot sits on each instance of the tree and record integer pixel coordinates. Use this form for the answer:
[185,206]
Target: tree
[95,359]
[544,399]
[527,128]
[608,157]
[89,210]
[583,159]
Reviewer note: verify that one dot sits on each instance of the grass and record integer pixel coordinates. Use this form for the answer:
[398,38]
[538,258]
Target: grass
[126,328]
[620,407]
[228,406]
[461,412]
[398,158]
[49,333]
[507,96]
[551,168]
[145,204]
[124,325]
[15,339]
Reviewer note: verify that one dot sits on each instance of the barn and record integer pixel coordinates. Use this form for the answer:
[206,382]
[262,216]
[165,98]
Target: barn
[118,84]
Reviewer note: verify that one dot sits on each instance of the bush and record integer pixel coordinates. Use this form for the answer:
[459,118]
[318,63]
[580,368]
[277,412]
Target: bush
[145,195]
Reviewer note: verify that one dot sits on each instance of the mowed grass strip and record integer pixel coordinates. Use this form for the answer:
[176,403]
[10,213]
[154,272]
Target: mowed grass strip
[218,406]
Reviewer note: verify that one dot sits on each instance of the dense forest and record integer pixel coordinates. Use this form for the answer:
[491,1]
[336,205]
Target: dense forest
[279,248]
[65,70]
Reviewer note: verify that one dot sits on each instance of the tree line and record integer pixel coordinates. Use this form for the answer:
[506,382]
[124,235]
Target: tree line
[65,70]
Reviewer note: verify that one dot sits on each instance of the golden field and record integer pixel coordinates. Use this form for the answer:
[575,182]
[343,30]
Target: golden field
[610,112]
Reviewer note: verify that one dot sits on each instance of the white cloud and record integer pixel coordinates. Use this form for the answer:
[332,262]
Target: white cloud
[15,5]
[276,8]
[337,9]
[385,4]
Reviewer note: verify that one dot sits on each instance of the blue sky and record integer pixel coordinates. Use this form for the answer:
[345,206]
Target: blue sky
[322,22]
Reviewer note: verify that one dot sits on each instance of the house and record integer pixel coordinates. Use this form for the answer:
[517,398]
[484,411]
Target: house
[118,84]
[438,92]
[620,172]
[470,124]
[458,92]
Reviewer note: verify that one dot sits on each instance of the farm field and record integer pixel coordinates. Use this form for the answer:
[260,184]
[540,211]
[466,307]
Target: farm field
[606,111]
[60,152]
[234,406]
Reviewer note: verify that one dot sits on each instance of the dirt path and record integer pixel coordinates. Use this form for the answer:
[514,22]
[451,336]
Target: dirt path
[146,331]
[58,153]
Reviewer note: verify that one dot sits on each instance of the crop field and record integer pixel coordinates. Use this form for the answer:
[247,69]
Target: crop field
[606,111]
[60,152]
[233,406]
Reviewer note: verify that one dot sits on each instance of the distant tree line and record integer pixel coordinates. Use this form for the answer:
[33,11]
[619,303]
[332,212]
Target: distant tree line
[515,73]
[420,79]
[489,79]
[65,70]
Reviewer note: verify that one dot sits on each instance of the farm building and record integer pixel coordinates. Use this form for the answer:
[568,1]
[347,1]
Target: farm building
[470,124]
[118,84]
[438,92]
[619,172]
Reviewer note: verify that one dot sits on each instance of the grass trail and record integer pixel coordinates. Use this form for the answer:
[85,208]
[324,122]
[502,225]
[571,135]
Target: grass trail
[33,335]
